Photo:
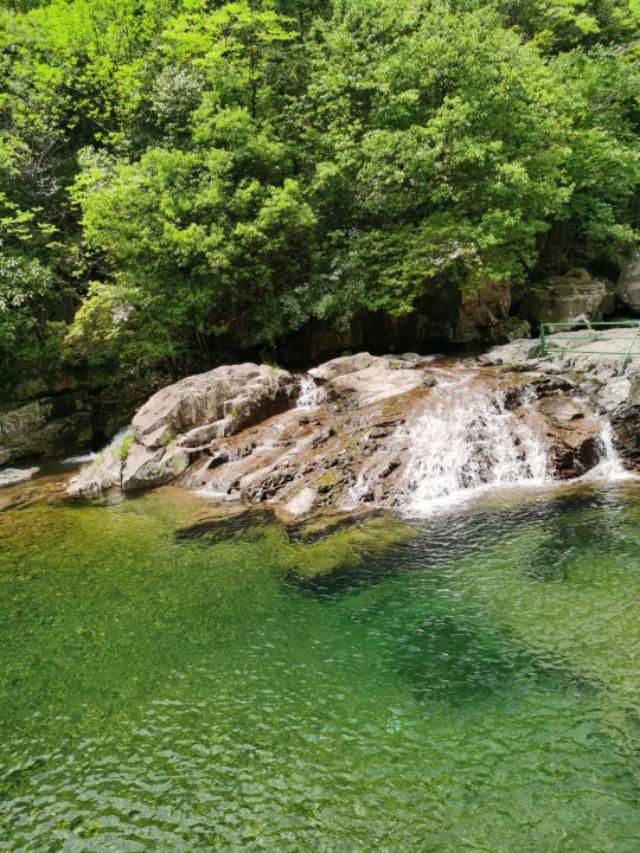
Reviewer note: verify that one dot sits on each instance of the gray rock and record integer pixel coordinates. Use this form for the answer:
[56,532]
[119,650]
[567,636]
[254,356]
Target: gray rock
[147,469]
[628,287]
[206,406]
[484,315]
[44,427]
[245,392]
[302,502]
[518,353]
[342,366]
[104,472]
[573,433]
[561,298]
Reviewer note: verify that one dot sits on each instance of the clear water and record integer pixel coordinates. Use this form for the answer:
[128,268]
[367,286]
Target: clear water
[467,683]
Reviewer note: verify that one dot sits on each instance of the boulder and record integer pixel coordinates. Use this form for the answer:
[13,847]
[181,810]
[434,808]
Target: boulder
[301,503]
[563,297]
[342,366]
[146,469]
[519,353]
[47,426]
[484,317]
[237,395]
[176,425]
[368,379]
[628,287]
[573,434]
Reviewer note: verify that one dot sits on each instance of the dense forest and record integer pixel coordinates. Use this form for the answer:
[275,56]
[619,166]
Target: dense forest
[181,177]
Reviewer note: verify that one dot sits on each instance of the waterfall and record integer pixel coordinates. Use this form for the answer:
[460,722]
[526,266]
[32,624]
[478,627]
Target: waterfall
[468,441]
[610,467]
[310,394]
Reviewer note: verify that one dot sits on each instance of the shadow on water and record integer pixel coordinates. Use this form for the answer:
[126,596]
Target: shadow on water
[457,662]
[450,537]
[226,526]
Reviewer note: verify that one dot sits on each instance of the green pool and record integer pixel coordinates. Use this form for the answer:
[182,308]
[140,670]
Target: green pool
[169,681]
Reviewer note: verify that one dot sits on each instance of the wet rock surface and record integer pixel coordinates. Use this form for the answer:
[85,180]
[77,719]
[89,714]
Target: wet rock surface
[602,367]
[237,433]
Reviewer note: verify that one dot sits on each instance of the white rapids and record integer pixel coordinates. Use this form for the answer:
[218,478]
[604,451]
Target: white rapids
[468,443]
[310,394]
[80,459]
[11,476]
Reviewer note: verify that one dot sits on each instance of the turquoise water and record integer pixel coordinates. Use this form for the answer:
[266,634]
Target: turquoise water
[465,683]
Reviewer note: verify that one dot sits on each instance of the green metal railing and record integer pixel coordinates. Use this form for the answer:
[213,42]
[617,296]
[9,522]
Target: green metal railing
[552,339]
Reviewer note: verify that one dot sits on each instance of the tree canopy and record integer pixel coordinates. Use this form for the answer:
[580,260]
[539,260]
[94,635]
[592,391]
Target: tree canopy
[182,176]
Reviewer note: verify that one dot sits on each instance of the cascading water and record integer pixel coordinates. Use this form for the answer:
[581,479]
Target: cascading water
[610,466]
[11,476]
[310,394]
[468,441]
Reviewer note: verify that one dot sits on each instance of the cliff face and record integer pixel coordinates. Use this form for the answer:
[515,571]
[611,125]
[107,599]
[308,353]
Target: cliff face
[53,416]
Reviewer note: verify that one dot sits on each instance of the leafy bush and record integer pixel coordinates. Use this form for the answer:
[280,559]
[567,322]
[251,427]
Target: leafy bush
[180,179]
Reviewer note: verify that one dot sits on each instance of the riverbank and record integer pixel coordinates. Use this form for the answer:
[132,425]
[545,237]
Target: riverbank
[396,432]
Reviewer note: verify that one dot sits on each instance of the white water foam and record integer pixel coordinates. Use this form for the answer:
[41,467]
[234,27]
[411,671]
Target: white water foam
[466,443]
[610,467]
[310,394]
[81,459]
[11,476]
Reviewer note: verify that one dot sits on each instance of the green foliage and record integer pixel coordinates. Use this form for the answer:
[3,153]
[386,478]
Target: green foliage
[564,24]
[453,168]
[184,178]
[125,447]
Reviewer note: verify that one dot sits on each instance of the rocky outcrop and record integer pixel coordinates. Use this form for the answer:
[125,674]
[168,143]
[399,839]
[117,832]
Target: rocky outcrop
[179,422]
[45,426]
[573,434]
[211,405]
[484,316]
[446,315]
[561,298]
[237,433]
[604,368]
[51,416]
[628,288]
